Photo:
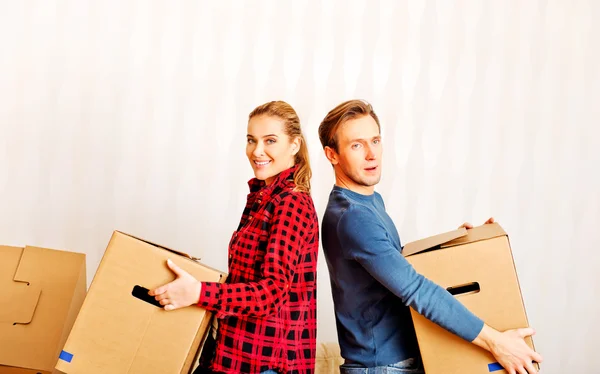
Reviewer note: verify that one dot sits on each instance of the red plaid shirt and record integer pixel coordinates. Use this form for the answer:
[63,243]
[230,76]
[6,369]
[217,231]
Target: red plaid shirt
[267,308]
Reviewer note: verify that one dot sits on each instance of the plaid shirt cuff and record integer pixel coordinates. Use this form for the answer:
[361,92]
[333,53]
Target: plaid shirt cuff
[209,296]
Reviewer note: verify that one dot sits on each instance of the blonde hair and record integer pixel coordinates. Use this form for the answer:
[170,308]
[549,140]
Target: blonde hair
[286,113]
[337,116]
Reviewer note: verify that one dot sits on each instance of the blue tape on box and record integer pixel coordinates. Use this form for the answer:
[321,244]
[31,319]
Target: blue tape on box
[495,367]
[65,356]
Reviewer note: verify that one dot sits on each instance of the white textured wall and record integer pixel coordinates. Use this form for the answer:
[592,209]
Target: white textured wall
[131,115]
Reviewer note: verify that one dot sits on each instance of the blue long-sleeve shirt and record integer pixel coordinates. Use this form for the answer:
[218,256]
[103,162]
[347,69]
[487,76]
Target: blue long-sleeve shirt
[373,284]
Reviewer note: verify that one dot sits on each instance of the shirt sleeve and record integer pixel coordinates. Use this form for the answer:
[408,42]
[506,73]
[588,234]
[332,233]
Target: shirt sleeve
[265,297]
[365,240]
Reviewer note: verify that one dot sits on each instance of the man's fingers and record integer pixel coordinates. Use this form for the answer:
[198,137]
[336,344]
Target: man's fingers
[526,332]
[537,357]
[530,368]
[468,226]
[521,370]
[164,302]
[169,307]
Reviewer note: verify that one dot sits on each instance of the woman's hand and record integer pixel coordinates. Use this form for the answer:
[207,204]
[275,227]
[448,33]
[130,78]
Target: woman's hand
[183,291]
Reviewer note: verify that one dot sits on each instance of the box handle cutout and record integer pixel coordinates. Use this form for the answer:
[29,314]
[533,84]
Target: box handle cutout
[464,289]
[141,293]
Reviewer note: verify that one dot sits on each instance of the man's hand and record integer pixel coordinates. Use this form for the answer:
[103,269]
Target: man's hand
[510,349]
[183,291]
[468,226]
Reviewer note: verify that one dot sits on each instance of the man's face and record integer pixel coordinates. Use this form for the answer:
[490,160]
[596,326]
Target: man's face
[357,161]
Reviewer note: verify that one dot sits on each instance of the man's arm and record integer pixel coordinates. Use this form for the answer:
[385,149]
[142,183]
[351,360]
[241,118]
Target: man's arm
[366,241]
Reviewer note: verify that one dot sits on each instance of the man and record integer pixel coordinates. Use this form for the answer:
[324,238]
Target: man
[372,284]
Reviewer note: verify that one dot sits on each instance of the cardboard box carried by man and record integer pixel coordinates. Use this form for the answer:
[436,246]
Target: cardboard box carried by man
[477,267]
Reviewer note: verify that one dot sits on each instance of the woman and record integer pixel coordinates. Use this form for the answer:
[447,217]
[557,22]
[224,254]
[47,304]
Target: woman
[266,310]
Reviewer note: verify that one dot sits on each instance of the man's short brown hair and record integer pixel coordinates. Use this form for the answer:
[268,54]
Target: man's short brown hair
[337,116]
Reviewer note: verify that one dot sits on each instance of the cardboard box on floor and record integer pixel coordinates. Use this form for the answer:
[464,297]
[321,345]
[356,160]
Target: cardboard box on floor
[477,267]
[120,330]
[41,291]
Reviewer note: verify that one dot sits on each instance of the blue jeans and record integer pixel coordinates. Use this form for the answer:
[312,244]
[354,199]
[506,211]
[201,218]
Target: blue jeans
[409,366]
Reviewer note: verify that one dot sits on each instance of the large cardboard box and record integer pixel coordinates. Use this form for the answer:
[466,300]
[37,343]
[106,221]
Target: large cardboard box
[477,267]
[41,291]
[119,328]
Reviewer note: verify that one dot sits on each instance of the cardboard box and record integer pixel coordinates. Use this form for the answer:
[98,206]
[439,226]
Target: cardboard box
[477,267]
[119,332]
[41,291]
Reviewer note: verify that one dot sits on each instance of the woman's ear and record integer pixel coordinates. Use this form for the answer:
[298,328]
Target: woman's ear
[296,145]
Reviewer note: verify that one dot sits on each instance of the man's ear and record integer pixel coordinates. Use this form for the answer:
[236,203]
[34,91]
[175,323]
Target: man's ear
[331,155]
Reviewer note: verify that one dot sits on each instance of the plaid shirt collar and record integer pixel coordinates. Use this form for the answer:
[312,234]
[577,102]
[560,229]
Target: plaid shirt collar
[282,179]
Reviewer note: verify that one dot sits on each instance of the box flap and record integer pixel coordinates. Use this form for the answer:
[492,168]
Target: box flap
[483,232]
[22,296]
[183,254]
[432,241]
[23,299]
